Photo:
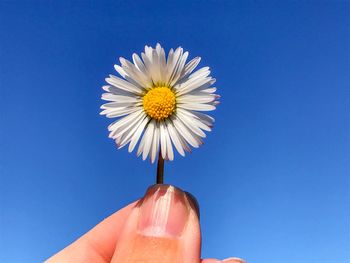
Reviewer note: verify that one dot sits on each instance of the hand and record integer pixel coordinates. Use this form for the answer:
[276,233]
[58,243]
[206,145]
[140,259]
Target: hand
[162,227]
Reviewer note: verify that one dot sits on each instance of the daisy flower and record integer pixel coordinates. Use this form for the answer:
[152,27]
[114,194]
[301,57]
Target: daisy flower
[159,103]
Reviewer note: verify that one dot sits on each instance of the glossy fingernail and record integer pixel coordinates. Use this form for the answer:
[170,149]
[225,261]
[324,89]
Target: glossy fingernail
[163,212]
[193,203]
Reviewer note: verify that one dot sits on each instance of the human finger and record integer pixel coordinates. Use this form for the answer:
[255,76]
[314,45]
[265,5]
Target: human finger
[163,227]
[98,244]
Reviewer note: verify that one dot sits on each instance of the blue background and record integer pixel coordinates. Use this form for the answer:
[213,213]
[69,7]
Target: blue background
[272,178]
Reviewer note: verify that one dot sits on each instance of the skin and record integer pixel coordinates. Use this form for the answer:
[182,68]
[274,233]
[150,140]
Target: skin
[117,239]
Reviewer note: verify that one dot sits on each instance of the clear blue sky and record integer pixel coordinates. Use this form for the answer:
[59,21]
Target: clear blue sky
[272,178]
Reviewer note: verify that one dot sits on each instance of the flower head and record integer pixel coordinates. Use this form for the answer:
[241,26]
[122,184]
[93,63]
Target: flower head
[159,100]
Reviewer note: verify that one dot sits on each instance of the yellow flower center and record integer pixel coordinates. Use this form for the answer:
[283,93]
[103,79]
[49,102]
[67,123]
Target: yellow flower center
[159,103]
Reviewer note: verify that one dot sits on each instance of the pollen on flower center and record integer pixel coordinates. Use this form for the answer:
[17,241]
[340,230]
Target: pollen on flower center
[159,103]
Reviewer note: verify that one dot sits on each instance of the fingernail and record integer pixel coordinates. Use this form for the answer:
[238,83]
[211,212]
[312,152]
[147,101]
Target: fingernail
[163,212]
[234,260]
[193,203]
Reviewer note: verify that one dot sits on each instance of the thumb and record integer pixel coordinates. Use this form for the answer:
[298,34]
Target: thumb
[162,227]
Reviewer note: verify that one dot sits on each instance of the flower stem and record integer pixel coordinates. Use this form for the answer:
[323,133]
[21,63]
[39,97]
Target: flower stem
[160,169]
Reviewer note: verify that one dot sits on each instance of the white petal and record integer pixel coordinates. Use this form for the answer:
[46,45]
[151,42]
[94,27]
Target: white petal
[190,124]
[193,84]
[132,71]
[169,147]
[118,130]
[155,143]
[122,73]
[118,112]
[183,131]
[120,70]
[204,117]
[139,64]
[197,107]
[119,98]
[173,64]
[148,53]
[179,69]
[117,91]
[128,134]
[183,142]
[156,74]
[162,139]
[204,98]
[137,134]
[117,104]
[126,128]
[170,56]
[148,139]
[201,120]
[142,144]
[169,66]
[162,65]
[174,137]
[190,66]
[210,90]
[116,124]
[200,73]
[123,85]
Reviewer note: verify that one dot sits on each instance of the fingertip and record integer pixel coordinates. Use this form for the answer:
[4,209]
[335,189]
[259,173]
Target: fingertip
[163,227]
